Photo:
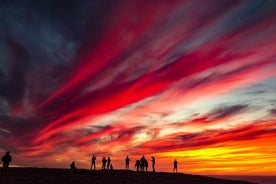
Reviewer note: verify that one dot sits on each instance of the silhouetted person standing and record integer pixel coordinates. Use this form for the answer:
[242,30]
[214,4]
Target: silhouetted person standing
[72,165]
[137,165]
[153,163]
[175,165]
[103,163]
[142,163]
[93,162]
[6,159]
[108,163]
[146,165]
[127,163]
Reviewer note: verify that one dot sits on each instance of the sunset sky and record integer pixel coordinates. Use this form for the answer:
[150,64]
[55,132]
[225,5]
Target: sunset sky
[191,80]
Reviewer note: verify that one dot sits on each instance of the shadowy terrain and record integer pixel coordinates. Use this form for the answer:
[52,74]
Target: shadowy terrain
[81,176]
[255,179]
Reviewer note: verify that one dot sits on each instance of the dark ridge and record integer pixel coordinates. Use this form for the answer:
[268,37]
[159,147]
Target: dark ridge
[82,176]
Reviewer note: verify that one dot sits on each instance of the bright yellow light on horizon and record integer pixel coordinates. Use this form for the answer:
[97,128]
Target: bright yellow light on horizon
[224,160]
[207,153]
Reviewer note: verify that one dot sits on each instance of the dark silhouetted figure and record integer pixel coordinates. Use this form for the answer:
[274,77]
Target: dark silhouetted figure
[6,159]
[104,163]
[142,163]
[175,166]
[127,163]
[137,165]
[93,162]
[146,165]
[153,163]
[108,163]
[111,167]
[72,165]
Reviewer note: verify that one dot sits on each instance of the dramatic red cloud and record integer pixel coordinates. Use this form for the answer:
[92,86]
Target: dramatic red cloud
[174,79]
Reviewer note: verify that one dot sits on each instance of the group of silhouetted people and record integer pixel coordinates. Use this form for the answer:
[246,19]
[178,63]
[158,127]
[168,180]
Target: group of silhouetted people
[106,164]
[140,165]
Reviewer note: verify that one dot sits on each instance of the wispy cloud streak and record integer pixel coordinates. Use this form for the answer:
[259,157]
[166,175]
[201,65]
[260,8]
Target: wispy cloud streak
[136,77]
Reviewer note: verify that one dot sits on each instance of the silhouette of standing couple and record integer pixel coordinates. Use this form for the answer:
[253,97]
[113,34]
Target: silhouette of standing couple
[106,164]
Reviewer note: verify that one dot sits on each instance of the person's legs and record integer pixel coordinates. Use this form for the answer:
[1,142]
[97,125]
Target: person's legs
[4,171]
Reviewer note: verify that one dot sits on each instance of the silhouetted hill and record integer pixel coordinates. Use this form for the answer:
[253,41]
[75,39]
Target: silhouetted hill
[81,176]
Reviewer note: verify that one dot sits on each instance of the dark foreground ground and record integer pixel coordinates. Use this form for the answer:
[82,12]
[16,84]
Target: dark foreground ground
[65,176]
[255,179]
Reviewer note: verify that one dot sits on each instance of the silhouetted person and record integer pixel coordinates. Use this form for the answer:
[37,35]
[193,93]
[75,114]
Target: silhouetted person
[146,165]
[72,165]
[104,163]
[175,165]
[137,165]
[127,163]
[142,163]
[93,162]
[6,159]
[111,167]
[108,163]
[153,163]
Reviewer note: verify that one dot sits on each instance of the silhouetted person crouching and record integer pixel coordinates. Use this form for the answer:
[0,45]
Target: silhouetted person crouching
[6,159]
[72,165]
